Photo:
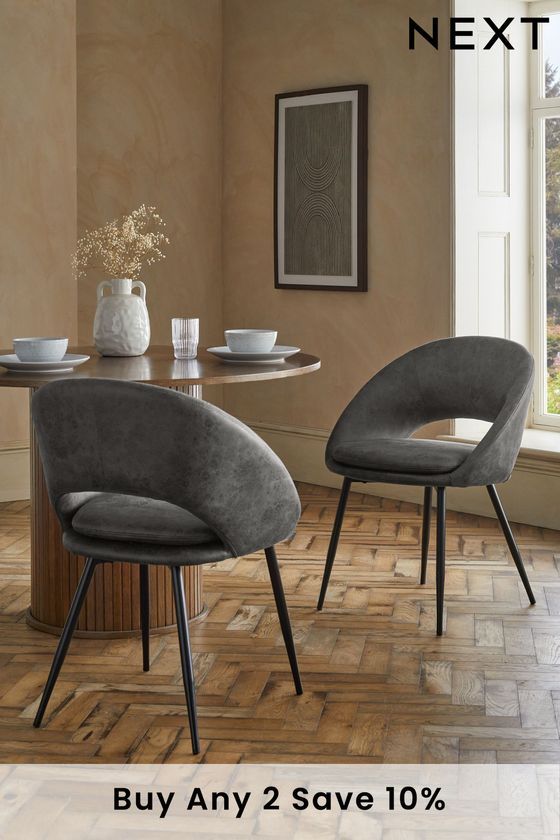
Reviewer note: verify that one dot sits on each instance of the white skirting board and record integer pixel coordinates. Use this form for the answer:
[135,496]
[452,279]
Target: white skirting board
[14,471]
[531,496]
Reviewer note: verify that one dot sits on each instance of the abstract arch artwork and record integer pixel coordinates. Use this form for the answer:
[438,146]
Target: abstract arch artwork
[320,189]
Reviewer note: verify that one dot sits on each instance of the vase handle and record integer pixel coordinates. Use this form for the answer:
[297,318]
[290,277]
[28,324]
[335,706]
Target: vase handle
[103,285]
[137,284]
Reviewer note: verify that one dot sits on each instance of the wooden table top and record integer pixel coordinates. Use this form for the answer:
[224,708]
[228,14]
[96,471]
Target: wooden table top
[159,367]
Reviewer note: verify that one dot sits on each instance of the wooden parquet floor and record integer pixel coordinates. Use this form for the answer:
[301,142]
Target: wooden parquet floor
[379,685]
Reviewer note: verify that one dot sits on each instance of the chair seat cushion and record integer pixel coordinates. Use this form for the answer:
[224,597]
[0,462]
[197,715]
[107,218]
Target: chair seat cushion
[403,455]
[113,516]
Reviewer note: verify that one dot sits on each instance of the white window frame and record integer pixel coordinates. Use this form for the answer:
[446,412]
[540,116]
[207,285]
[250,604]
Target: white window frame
[541,108]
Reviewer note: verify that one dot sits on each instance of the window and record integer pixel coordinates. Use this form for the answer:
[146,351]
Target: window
[545,101]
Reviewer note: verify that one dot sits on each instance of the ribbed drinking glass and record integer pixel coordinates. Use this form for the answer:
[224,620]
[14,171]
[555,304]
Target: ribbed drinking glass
[184,332]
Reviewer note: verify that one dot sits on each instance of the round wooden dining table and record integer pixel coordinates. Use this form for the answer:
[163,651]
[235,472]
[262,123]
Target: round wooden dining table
[112,606]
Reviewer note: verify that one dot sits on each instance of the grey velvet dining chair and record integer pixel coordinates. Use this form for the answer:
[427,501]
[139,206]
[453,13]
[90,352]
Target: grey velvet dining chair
[476,377]
[147,475]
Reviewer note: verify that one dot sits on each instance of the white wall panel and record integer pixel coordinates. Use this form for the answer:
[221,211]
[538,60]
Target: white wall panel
[491,162]
[491,183]
[493,284]
[493,118]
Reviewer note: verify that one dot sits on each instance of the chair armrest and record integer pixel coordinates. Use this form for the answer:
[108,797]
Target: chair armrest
[493,459]
[245,493]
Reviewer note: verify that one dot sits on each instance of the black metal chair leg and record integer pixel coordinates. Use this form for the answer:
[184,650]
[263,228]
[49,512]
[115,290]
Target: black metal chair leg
[426,520]
[185,648]
[440,558]
[66,637]
[283,614]
[510,539]
[333,545]
[145,615]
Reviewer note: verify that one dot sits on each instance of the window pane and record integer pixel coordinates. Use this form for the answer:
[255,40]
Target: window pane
[552,151]
[551,42]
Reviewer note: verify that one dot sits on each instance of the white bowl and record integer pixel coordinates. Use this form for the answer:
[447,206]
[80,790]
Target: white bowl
[40,349]
[251,341]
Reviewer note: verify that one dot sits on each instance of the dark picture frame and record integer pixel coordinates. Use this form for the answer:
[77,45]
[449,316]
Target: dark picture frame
[320,189]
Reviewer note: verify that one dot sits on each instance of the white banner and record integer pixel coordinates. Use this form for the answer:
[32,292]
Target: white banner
[396,802]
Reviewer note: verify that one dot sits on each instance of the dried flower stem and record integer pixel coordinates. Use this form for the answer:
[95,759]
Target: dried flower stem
[123,246]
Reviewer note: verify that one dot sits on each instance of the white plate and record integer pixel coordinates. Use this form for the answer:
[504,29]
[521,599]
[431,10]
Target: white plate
[278,354]
[68,362]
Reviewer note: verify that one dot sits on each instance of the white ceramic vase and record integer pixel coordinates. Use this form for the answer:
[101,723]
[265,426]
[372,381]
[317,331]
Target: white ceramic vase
[122,325]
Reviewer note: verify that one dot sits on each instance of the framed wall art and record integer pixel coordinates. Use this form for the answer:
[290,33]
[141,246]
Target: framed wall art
[320,189]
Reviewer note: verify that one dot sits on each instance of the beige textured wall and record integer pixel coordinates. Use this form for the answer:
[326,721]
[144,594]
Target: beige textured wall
[149,131]
[270,47]
[37,181]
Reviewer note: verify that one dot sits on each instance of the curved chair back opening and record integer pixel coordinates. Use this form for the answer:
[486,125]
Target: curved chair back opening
[475,377]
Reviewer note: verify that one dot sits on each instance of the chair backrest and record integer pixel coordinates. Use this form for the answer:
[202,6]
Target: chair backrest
[478,377]
[109,436]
